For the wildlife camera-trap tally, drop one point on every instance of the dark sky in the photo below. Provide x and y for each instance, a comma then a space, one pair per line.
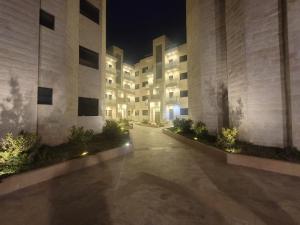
132, 24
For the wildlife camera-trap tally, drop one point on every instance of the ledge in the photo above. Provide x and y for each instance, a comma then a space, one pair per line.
271, 165
33, 177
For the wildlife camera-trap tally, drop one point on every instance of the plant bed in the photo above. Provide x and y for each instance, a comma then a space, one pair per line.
23, 152
48, 155
284, 161
38, 175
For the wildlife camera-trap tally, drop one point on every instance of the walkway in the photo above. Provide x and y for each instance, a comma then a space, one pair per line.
163, 182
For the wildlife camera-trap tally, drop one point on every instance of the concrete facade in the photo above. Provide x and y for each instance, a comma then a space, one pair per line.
141, 92
37, 56
245, 50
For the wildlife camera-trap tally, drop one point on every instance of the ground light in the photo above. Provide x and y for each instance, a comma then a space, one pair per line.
84, 153
127, 144
195, 138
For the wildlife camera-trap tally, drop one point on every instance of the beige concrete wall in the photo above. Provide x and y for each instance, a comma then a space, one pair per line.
19, 42
255, 67
91, 82
53, 74
293, 13
207, 61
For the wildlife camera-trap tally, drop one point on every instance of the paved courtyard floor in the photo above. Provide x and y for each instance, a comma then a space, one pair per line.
164, 182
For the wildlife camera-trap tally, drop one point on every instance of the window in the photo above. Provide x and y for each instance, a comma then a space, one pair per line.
145, 83
145, 112
110, 81
137, 73
183, 76
45, 96
183, 94
171, 77
127, 86
110, 97
170, 61
137, 99
47, 20
88, 58
90, 11
145, 98
128, 100
183, 58
171, 94
184, 111
145, 69
88, 106
137, 113
109, 65
137, 86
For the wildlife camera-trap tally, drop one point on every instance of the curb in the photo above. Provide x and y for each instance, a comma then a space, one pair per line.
270, 165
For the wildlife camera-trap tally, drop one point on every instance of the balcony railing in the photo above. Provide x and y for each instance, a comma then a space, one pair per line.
128, 77
110, 85
172, 100
111, 70
171, 65
172, 82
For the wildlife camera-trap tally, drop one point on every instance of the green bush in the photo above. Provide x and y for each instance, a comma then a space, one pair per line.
112, 129
80, 136
200, 130
16, 152
183, 125
227, 139
145, 121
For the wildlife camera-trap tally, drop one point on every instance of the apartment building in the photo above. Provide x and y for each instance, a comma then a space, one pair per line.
155, 89
120, 83
52, 64
161, 89
244, 62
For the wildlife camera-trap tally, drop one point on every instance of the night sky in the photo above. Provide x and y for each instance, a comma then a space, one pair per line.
132, 24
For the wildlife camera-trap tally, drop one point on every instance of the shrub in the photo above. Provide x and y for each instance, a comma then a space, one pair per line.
183, 125
145, 121
80, 136
112, 129
200, 130
227, 139
16, 151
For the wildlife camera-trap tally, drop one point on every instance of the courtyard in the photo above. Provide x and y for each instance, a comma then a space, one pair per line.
163, 182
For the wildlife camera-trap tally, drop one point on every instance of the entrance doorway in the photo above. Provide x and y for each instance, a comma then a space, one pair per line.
171, 114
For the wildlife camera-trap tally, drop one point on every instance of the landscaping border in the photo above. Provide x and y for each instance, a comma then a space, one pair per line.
208, 149
26, 179
271, 165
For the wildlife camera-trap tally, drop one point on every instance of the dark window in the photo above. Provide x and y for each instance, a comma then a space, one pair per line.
88, 106
184, 111
145, 98
145, 112
145, 69
158, 53
137, 73
90, 11
88, 58
137, 112
137, 86
183, 94
171, 94
171, 77
145, 83
45, 96
47, 20
137, 99
183, 76
183, 58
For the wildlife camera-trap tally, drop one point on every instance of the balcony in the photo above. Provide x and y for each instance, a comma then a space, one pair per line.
129, 77
148, 72
171, 65
172, 100
110, 102
110, 85
110, 70
172, 83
